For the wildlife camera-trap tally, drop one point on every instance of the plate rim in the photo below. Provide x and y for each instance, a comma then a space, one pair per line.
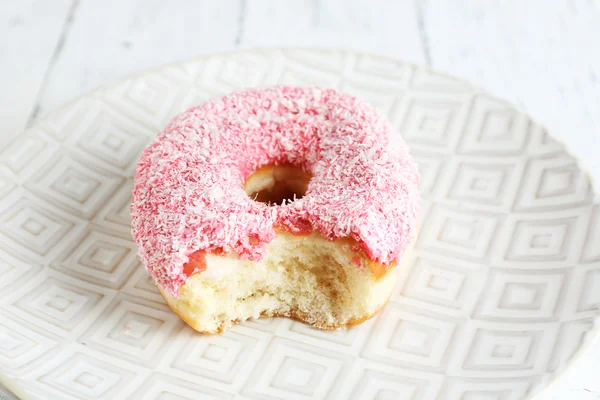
12, 383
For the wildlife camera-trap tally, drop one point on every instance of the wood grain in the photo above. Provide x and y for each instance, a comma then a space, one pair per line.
383, 27
30, 33
122, 37
542, 55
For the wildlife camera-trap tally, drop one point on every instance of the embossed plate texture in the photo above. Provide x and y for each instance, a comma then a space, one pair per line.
503, 292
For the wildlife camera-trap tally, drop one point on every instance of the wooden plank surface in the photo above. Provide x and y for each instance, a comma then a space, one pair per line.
31, 32
542, 55
115, 38
384, 27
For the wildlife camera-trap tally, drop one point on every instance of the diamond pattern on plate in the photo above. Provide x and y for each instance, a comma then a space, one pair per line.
406, 338
115, 215
450, 286
25, 155
501, 351
432, 82
400, 73
100, 258
74, 185
494, 128
551, 184
375, 382
382, 98
542, 240
165, 387
14, 272
463, 233
571, 336
589, 299
132, 329
292, 370
542, 144
325, 61
20, 347
241, 70
431, 122
222, 362
140, 284
463, 389
83, 375
348, 341
7, 185
482, 184
109, 139
534, 295
60, 304
271, 325
500, 293
150, 97
108, 136
432, 168
591, 247
34, 227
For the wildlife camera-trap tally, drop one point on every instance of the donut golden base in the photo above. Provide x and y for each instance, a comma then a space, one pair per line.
308, 278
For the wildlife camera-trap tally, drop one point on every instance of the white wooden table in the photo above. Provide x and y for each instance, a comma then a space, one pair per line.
543, 55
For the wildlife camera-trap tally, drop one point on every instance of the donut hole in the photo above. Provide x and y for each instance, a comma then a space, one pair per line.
277, 184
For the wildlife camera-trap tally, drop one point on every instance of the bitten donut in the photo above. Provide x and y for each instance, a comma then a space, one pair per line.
282, 201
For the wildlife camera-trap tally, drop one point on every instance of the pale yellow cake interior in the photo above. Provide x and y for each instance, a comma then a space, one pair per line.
307, 277
302, 276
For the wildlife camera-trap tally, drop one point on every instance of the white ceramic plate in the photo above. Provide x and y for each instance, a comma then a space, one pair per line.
503, 292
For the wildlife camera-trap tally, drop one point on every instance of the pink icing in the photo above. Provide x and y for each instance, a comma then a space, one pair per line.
189, 194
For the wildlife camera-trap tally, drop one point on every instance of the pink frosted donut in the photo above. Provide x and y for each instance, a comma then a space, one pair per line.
193, 215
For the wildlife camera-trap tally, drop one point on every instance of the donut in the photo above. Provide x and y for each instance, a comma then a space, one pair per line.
279, 201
